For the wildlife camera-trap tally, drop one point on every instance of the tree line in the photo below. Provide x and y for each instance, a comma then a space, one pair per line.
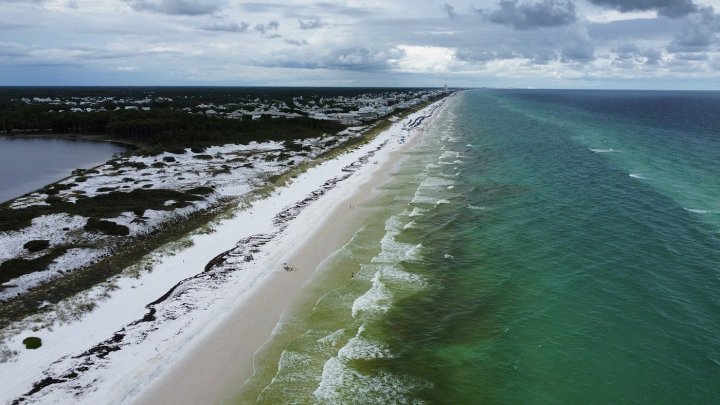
160, 128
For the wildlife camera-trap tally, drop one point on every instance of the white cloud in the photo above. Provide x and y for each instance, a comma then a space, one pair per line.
425, 59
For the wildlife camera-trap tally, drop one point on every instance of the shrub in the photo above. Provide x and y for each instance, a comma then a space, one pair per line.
169, 159
105, 189
203, 157
32, 342
52, 200
37, 245
136, 165
158, 165
80, 179
14, 268
106, 227
201, 190
175, 150
197, 149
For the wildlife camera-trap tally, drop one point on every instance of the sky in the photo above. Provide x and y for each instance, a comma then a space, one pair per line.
612, 44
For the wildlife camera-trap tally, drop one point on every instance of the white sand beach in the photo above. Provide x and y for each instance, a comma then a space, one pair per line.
198, 340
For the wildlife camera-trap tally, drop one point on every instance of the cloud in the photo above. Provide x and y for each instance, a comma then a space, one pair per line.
178, 7
311, 24
630, 56
258, 7
310, 7
270, 26
25, 1
296, 42
226, 27
450, 10
666, 8
13, 50
579, 48
343, 10
346, 58
524, 16
698, 33
535, 55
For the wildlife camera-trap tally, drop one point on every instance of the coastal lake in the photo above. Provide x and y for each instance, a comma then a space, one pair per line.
27, 164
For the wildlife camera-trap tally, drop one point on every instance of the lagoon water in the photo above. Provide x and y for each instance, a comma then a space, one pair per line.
539, 247
27, 164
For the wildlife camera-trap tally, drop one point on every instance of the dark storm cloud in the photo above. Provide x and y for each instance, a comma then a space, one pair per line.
226, 27
524, 16
270, 26
666, 8
311, 24
178, 7
698, 33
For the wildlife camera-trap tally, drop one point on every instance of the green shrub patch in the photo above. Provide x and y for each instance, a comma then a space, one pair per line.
201, 190
37, 245
32, 342
13, 268
106, 227
106, 189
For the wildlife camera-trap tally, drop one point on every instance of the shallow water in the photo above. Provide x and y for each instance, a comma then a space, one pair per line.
27, 164
514, 258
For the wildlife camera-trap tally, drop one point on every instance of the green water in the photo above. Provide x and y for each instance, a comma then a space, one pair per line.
513, 259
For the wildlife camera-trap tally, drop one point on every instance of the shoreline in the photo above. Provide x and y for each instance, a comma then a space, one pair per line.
174, 329
210, 372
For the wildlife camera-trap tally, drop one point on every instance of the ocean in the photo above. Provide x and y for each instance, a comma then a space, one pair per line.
538, 246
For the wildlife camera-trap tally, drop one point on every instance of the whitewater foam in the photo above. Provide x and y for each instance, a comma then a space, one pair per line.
375, 300
598, 150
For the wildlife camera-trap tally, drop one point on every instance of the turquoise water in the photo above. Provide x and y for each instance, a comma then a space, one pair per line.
514, 259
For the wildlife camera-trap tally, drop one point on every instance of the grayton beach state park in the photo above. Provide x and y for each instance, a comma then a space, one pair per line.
359, 202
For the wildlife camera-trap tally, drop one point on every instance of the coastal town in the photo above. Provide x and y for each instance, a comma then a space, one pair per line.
348, 107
